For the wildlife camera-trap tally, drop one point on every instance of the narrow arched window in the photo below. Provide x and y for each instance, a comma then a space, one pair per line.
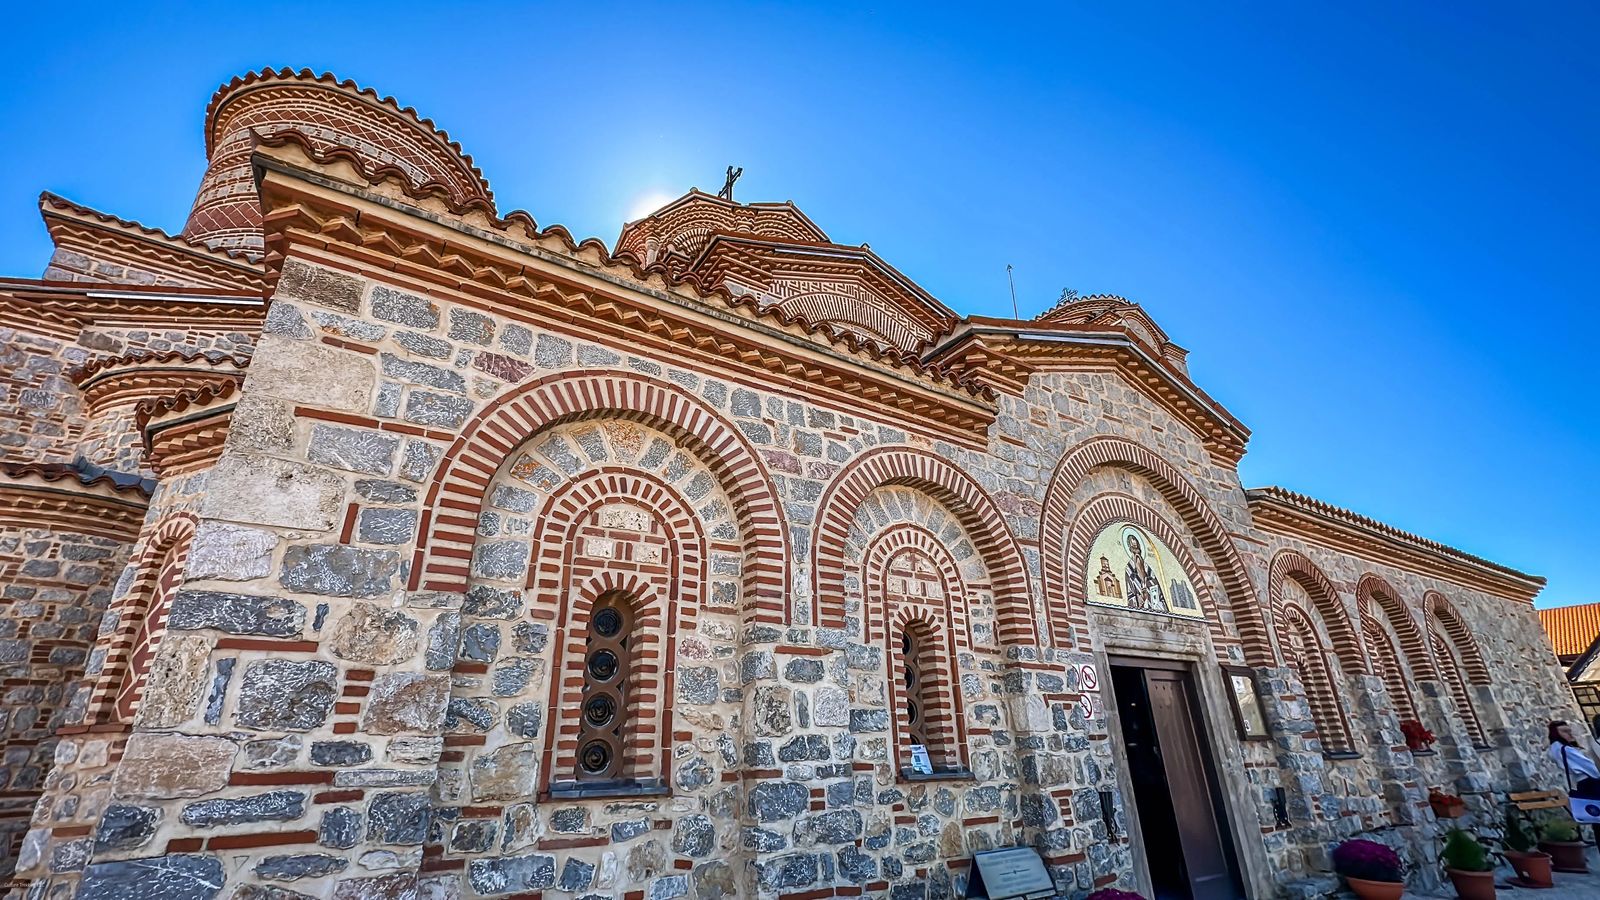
928, 735
602, 720
914, 703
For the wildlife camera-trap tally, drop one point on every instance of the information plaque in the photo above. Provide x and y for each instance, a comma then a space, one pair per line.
1015, 872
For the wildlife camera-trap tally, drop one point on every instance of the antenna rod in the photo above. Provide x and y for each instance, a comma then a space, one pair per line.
1014, 313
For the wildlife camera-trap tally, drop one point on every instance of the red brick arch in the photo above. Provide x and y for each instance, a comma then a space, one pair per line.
1291, 564
882, 549
1316, 676
456, 494
1383, 655
1117, 452
1439, 608
1372, 590
665, 599
141, 620
1109, 508
1454, 678
980, 518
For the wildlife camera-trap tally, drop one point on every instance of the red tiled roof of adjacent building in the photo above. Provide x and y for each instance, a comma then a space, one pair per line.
1571, 628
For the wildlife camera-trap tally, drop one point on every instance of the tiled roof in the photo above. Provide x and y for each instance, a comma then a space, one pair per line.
1571, 628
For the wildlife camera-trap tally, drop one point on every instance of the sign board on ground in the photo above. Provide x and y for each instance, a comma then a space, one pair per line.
1015, 872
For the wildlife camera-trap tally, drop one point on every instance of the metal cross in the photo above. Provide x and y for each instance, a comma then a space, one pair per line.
727, 187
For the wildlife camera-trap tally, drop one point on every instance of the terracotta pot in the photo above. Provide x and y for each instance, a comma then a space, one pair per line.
1533, 867
1472, 885
1566, 856
1448, 810
1375, 890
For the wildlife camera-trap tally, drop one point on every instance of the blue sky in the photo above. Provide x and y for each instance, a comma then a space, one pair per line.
1374, 228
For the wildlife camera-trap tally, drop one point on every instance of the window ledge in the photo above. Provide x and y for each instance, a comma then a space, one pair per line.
1427, 751
1339, 755
579, 790
938, 775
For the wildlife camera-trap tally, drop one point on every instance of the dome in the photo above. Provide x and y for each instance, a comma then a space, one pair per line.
329, 113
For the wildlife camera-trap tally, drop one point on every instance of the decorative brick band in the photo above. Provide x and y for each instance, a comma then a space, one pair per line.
1450, 673
456, 495
1438, 608
141, 615
1394, 678
979, 516
1304, 649
1201, 521
662, 576
1105, 509
889, 547
1291, 564
1372, 590
1457, 658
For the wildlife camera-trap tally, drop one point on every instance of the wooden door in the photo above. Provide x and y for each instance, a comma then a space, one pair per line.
1189, 783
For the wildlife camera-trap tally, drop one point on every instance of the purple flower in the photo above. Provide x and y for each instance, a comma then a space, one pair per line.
1367, 860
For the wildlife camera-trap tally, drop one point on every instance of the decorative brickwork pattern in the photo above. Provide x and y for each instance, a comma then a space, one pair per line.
978, 516
1394, 677
456, 494
1057, 517
1289, 564
1305, 650
1373, 593
141, 617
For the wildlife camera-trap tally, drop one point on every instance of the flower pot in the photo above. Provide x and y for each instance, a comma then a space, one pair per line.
1375, 890
1532, 867
1472, 885
1566, 856
1449, 809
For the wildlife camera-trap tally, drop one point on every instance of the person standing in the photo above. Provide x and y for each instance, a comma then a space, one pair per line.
1583, 775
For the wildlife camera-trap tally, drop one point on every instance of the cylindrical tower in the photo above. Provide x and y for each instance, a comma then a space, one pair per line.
329, 113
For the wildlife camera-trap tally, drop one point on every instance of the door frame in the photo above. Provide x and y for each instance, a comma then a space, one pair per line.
1224, 751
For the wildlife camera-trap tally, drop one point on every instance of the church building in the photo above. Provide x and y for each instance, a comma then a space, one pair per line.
368, 541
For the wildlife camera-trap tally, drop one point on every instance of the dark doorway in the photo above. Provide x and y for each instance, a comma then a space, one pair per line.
1174, 788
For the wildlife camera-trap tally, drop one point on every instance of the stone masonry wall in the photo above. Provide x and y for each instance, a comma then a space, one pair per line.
54, 586
371, 676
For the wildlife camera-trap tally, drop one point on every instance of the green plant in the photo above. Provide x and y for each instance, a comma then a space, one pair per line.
1517, 839
1560, 832
1463, 853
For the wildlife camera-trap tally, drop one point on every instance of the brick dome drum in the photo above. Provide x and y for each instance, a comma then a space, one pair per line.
329, 114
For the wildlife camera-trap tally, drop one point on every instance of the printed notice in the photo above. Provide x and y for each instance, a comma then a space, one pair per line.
1010, 873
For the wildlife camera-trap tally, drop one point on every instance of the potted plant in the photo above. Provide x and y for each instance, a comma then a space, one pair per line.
1533, 866
1564, 843
1417, 736
1467, 863
1446, 806
1373, 871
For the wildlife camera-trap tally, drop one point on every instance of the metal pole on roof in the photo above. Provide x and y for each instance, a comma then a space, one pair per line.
1014, 313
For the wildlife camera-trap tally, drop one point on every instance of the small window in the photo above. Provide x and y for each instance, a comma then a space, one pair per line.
601, 722
915, 704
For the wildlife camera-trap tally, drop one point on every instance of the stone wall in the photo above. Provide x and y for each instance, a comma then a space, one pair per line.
54, 586
40, 415
371, 674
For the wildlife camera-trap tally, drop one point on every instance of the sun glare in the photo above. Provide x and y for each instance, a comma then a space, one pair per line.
648, 203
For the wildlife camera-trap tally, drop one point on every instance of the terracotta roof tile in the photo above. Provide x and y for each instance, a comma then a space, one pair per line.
1571, 628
